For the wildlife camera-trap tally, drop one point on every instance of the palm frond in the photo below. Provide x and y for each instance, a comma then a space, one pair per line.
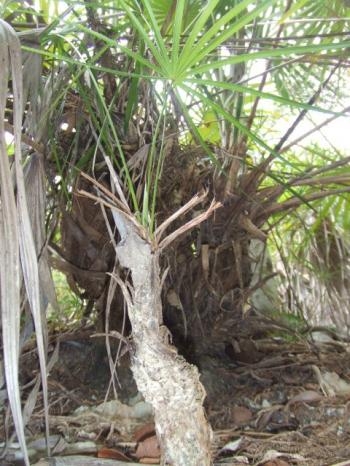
18, 251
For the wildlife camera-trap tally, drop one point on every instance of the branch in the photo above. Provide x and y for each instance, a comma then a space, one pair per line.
313, 130
293, 203
273, 192
302, 114
189, 225
189, 205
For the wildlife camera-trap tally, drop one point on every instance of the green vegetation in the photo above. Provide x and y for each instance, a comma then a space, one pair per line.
70, 314
139, 105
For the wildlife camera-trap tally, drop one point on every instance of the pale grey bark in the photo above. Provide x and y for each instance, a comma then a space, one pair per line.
164, 378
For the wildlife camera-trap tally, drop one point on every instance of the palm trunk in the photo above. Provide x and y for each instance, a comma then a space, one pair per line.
164, 378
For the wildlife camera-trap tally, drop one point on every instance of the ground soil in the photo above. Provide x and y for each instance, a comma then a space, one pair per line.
269, 401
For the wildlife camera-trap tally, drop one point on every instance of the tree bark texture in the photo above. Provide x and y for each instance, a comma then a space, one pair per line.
164, 377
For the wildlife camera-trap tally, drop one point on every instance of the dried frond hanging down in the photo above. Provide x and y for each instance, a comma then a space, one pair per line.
9, 255
18, 251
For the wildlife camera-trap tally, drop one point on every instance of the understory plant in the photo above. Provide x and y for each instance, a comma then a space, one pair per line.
151, 131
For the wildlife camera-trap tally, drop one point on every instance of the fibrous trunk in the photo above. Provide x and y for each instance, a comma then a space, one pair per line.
164, 378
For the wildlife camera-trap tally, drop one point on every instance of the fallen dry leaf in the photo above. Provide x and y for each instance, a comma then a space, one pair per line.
149, 461
307, 396
276, 462
148, 448
273, 458
233, 445
147, 430
112, 453
240, 415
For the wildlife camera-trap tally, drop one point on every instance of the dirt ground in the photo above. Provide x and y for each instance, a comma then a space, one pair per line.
270, 402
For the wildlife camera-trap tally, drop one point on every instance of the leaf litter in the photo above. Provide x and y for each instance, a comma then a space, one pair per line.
290, 407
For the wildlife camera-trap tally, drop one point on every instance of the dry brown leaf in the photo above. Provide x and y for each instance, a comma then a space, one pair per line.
276, 462
307, 396
274, 458
112, 453
149, 461
241, 415
149, 448
147, 430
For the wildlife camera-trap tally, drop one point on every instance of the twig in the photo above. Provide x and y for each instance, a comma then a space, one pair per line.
189, 225
313, 130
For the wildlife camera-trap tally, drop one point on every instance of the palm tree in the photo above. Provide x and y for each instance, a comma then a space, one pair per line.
148, 121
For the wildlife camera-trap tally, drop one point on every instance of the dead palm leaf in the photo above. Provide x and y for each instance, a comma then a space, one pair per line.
18, 254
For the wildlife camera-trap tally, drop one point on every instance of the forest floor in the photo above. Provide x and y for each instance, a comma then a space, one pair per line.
273, 402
